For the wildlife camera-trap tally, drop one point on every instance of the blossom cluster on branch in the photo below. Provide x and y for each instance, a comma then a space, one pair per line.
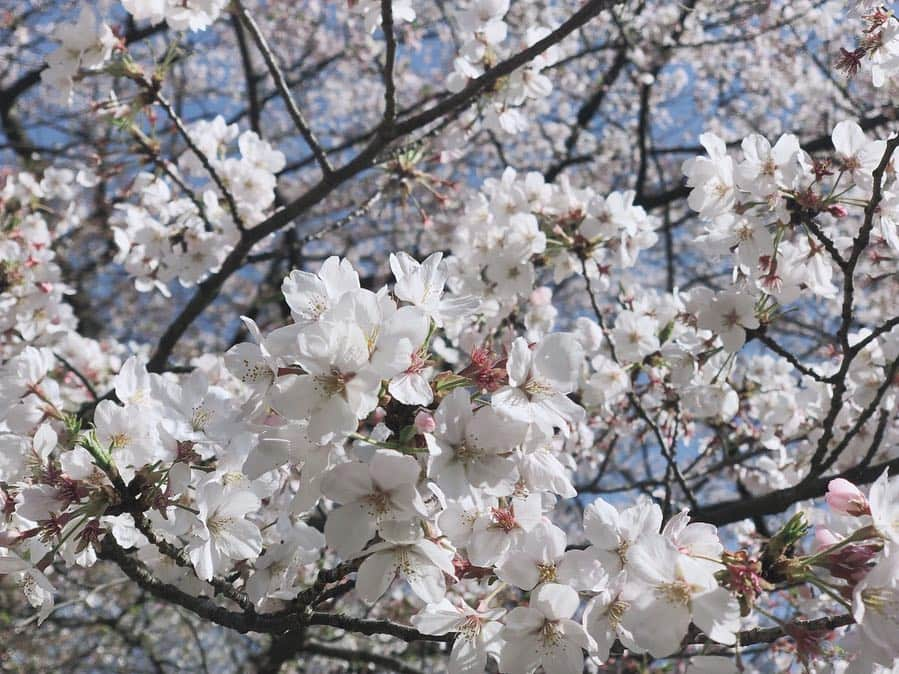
417, 445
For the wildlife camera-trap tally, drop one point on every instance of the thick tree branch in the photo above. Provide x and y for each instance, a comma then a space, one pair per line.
384, 662
779, 501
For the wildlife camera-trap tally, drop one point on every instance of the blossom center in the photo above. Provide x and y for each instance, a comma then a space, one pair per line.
551, 635
334, 383
677, 593
216, 523
379, 503
881, 600
118, 440
615, 612
504, 519
731, 319
537, 389
471, 628
201, 416
547, 572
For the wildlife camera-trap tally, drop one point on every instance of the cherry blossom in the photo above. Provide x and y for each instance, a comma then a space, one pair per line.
543, 634
477, 633
546, 337
373, 495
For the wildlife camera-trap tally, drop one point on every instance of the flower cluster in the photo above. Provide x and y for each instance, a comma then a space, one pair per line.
83, 46
784, 218
161, 237
520, 445
518, 224
441, 482
445, 480
856, 553
485, 32
32, 291
178, 14
878, 47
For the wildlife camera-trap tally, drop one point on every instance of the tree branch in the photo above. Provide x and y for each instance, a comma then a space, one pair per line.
281, 84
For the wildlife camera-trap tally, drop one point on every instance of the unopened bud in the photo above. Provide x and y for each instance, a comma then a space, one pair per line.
424, 422
542, 296
845, 497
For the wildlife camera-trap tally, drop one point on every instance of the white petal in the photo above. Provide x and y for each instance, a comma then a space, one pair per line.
348, 529
519, 570
426, 581
438, 618
555, 601
717, 614
375, 575
347, 482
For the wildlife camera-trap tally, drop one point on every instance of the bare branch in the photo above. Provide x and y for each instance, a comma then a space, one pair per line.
281, 83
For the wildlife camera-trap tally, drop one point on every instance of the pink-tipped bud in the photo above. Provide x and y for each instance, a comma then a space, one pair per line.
825, 538
852, 562
424, 422
838, 211
845, 497
542, 296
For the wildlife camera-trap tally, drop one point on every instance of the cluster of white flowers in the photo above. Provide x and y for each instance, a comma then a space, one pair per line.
518, 223
178, 14
436, 436
484, 32
442, 479
31, 286
856, 546
83, 46
878, 47
786, 220
780, 214
161, 238
448, 484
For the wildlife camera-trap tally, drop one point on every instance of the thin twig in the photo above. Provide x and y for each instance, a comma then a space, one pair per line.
281, 83
204, 160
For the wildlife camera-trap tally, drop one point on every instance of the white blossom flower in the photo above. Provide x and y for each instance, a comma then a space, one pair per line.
422, 284
221, 531
34, 584
373, 494
729, 315
712, 179
543, 634
541, 558
477, 633
614, 532
875, 601
539, 380
420, 562
858, 156
472, 449
674, 593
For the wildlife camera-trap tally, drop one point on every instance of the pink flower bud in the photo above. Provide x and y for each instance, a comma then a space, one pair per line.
541, 296
852, 562
424, 422
838, 211
825, 538
845, 497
